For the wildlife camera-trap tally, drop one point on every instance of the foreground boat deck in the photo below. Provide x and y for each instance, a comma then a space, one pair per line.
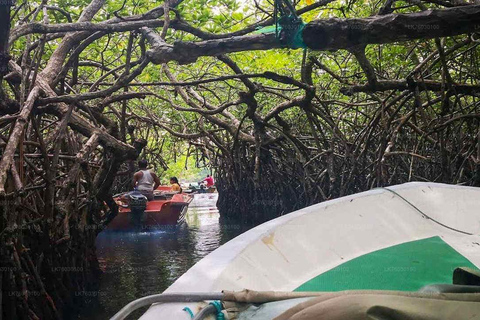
396, 238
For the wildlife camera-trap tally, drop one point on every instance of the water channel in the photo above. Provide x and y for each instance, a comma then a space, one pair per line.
137, 264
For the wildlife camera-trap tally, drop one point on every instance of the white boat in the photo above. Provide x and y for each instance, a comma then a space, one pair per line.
399, 238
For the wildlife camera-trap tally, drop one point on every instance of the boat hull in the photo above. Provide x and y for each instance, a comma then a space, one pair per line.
158, 213
398, 238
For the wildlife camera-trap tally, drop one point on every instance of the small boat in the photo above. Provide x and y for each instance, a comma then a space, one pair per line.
384, 250
167, 209
199, 188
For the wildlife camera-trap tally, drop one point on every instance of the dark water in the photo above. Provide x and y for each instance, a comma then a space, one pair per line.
140, 264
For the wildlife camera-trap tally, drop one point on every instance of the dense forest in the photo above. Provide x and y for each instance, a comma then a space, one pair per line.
290, 105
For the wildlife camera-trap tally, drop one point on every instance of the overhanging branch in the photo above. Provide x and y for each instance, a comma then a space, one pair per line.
334, 34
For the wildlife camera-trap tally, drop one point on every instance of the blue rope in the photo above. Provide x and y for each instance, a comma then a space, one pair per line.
218, 305
187, 309
288, 25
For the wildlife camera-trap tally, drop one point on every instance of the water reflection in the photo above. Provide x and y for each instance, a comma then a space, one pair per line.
136, 264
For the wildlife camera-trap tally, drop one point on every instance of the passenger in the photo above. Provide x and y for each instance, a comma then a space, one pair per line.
209, 181
145, 181
175, 185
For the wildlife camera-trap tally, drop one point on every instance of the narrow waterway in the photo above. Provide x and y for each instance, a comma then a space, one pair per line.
140, 264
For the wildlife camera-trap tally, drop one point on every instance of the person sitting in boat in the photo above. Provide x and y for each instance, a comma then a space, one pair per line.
175, 185
145, 181
209, 181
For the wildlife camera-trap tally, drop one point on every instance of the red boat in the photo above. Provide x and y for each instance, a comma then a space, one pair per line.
166, 209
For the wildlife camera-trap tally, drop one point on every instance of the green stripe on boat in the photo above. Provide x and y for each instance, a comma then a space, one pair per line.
405, 267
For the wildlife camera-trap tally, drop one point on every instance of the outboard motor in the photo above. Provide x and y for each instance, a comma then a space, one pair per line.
138, 204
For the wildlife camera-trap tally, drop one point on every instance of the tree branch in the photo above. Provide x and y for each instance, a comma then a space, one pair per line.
334, 34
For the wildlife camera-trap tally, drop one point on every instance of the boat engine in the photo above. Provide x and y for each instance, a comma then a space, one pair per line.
138, 204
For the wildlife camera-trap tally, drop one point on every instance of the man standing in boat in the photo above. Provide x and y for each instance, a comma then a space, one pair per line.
145, 181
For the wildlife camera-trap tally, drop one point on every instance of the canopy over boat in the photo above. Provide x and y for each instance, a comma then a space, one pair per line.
397, 238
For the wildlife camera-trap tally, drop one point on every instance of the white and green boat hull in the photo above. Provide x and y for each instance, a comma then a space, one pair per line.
397, 238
